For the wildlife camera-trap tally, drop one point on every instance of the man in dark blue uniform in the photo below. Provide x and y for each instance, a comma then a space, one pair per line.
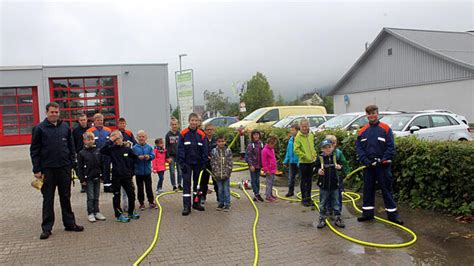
192, 158
375, 149
52, 155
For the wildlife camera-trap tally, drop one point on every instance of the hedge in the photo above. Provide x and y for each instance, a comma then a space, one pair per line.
436, 175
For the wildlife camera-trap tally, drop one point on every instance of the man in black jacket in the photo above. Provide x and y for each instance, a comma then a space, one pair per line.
77, 133
52, 155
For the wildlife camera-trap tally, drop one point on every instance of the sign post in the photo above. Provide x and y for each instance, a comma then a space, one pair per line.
185, 91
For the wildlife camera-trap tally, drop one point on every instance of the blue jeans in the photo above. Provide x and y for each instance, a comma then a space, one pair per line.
329, 199
172, 166
255, 181
292, 171
224, 191
161, 177
93, 192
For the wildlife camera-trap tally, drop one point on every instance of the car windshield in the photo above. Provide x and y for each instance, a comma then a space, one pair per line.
283, 123
397, 122
208, 120
255, 114
339, 121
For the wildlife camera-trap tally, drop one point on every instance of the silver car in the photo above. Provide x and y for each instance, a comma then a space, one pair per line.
314, 120
428, 126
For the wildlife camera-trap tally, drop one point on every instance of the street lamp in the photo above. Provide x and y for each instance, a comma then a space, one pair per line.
180, 66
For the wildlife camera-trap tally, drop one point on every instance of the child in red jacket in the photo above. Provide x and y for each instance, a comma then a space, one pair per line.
159, 163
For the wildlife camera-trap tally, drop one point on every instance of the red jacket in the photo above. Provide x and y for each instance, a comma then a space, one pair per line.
159, 163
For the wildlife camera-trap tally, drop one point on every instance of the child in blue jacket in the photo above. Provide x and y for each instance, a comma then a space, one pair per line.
291, 160
143, 170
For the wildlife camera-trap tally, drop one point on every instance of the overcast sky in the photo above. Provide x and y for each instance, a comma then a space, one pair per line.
298, 46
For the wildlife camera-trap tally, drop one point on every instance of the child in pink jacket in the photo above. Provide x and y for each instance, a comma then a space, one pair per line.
269, 166
159, 163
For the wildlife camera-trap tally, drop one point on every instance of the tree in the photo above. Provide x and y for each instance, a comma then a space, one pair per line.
329, 104
232, 110
280, 101
258, 93
175, 113
216, 101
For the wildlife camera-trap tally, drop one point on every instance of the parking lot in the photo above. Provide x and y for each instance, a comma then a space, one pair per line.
286, 234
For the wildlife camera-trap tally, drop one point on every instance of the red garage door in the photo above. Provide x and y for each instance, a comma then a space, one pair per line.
19, 114
87, 95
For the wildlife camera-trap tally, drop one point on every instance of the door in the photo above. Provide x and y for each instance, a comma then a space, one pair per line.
18, 114
424, 123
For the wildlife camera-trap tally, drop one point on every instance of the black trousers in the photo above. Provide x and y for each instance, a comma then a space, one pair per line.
204, 185
306, 170
190, 171
144, 180
61, 178
126, 183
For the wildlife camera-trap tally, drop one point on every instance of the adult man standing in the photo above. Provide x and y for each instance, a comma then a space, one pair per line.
376, 149
52, 155
77, 136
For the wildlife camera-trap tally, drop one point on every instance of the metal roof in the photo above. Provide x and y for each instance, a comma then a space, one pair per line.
455, 47
34, 67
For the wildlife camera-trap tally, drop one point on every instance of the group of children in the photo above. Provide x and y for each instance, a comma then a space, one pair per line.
130, 157
198, 155
301, 156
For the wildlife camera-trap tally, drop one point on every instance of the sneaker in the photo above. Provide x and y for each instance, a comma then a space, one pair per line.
153, 206
134, 216
159, 191
220, 207
259, 198
142, 207
74, 228
175, 189
339, 223
45, 235
108, 189
203, 201
274, 198
254, 199
122, 219
180, 188
289, 194
91, 218
270, 199
364, 218
322, 222
100, 217
227, 208
186, 211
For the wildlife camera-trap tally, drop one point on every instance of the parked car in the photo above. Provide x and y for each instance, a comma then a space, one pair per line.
222, 121
459, 117
314, 120
348, 121
428, 126
267, 116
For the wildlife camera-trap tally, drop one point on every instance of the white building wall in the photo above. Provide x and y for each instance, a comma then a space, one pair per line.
456, 96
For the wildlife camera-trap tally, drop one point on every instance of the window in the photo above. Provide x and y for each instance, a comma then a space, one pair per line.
452, 120
389, 51
316, 121
87, 95
440, 121
18, 109
360, 122
421, 122
272, 115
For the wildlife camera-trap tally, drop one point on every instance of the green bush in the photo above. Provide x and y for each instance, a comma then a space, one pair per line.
430, 175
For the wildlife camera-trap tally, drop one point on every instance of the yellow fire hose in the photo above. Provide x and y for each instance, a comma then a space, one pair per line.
351, 197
